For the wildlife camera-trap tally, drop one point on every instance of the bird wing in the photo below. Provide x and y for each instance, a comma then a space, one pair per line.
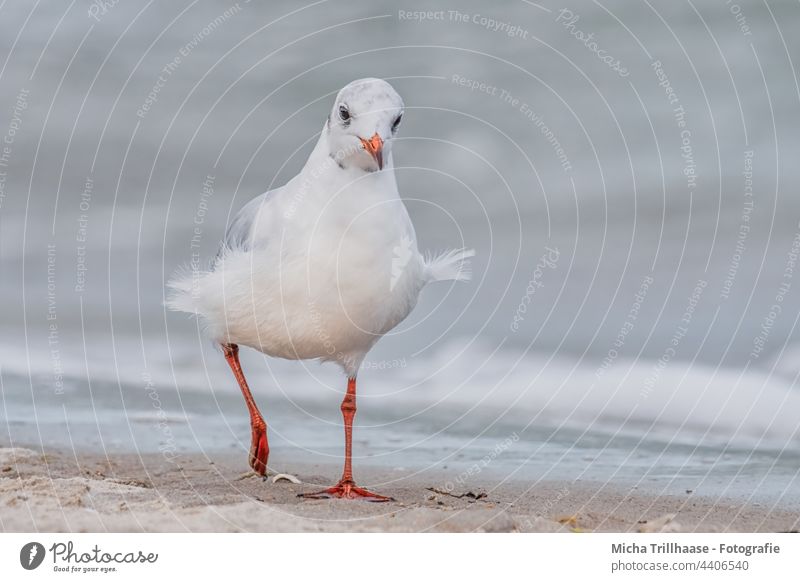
240, 235
186, 293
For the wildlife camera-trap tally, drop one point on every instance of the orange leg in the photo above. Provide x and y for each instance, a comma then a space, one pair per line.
346, 488
259, 448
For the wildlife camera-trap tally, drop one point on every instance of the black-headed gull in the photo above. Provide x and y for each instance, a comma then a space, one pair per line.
322, 267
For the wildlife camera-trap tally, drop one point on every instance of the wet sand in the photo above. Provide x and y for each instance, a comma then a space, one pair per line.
63, 491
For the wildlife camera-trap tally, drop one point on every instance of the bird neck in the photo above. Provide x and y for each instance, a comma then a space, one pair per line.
324, 166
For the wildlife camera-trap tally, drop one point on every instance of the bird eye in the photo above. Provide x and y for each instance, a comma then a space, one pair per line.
344, 113
396, 123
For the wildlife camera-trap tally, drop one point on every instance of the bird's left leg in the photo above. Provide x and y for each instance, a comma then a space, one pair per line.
346, 487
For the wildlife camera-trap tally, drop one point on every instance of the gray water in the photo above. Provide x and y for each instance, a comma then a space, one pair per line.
633, 312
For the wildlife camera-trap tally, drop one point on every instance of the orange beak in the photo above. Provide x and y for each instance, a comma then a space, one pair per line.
374, 147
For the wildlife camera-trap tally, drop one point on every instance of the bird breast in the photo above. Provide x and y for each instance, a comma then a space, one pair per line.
364, 267
342, 275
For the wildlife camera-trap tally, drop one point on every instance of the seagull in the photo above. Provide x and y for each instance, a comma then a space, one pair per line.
322, 267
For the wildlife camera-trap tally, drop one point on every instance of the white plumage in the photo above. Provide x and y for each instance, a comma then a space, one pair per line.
324, 266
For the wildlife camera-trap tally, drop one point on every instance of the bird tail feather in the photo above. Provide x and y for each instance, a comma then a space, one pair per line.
452, 265
183, 291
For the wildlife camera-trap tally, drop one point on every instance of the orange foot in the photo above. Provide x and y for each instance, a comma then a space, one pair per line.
346, 490
259, 451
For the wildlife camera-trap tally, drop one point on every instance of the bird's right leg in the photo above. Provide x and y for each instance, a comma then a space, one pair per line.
346, 488
259, 447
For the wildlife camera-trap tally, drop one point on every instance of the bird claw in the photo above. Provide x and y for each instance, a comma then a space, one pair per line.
347, 490
259, 452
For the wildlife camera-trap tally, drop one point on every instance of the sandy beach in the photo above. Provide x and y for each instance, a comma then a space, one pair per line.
63, 491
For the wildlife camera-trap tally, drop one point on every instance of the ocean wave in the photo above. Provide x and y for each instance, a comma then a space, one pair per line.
678, 402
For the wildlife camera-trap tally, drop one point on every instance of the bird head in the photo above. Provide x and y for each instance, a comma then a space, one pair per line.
362, 124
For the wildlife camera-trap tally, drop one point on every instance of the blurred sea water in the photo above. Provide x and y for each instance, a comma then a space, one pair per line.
627, 174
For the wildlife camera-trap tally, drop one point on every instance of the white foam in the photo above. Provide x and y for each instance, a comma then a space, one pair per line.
689, 403
682, 399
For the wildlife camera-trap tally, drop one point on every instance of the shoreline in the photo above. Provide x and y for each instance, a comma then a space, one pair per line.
66, 491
